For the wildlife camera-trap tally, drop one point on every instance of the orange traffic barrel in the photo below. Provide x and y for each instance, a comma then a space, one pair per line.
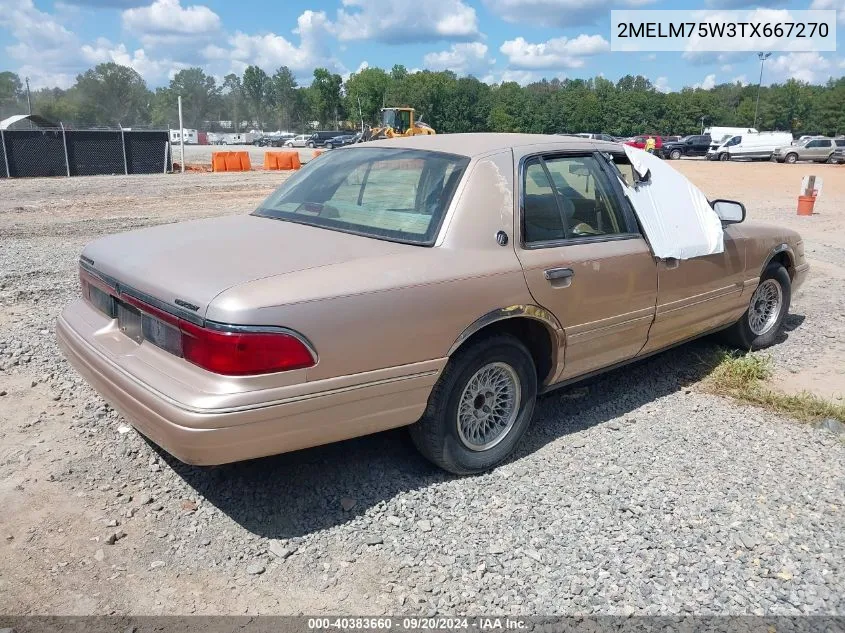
806, 204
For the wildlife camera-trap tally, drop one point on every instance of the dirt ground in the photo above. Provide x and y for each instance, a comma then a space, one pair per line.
72, 475
770, 193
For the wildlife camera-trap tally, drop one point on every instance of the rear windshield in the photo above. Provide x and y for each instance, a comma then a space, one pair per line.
393, 194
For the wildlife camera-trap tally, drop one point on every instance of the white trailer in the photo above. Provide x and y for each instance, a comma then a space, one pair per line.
230, 138
191, 137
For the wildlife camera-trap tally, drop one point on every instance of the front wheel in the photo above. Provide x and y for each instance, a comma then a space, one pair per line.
480, 407
675, 154
791, 159
329, 146
724, 156
761, 323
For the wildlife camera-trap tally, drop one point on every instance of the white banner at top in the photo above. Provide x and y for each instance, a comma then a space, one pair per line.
706, 30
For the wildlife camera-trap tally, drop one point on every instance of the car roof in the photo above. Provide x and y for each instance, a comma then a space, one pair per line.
486, 142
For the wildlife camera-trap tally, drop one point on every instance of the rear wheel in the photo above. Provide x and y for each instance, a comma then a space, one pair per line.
830, 160
675, 154
480, 407
761, 323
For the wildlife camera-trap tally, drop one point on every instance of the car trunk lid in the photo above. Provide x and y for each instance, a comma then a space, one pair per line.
186, 265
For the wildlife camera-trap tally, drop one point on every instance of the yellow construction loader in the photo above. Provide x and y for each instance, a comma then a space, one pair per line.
397, 122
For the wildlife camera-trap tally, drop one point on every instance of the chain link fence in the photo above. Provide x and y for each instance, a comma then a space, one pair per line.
60, 152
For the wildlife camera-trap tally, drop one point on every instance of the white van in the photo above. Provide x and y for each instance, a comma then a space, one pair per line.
719, 135
758, 146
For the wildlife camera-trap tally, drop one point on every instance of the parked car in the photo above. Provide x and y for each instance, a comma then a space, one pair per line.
273, 140
364, 294
319, 139
594, 136
839, 153
300, 140
760, 146
693, 145
818, 150
341, 140
640, 141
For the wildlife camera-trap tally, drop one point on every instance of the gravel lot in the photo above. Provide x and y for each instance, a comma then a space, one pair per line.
633, 493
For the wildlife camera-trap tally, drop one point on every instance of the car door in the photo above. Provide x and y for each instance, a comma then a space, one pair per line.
700, 145
819, 149
584, 259
699, 294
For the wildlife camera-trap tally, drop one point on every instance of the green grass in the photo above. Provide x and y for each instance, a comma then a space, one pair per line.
743, 377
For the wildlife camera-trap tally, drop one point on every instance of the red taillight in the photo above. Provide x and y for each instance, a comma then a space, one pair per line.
243, 353
231, 351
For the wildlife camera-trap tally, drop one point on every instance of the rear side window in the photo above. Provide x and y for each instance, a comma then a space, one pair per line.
393, 194
566, 198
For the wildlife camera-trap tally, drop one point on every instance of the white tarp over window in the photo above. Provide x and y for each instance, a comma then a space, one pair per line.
675, 215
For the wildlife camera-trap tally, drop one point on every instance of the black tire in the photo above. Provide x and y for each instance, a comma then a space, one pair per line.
329, 146
675, 154
311, 144
791, 158
740, 333
724, 156
436, 434
830, 160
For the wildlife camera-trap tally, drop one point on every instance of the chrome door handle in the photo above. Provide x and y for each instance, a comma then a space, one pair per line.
558, 273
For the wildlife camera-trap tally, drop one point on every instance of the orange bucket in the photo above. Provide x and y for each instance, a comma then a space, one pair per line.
806, 204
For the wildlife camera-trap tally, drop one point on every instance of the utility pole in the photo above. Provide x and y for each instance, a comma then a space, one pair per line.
181, 139
762, 57
702, 125
28, 98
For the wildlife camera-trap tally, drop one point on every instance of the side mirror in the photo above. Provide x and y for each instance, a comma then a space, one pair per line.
729, 211
642, 178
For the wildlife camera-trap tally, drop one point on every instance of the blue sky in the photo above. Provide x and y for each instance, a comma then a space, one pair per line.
495, 40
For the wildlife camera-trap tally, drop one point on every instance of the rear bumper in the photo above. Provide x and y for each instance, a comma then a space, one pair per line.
218, 436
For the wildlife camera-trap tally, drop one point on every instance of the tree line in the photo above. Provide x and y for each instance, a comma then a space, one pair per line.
110, 95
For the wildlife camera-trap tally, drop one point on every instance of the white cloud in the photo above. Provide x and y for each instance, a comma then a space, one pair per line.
270, 50
707, 58
462, 58
51, 55
560, 52
151, 69
402, 21
47, 51
707, 83
168, 18
661, 84
522, 77
650, 57
561, 13
839, 5
811, 67
740, 79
